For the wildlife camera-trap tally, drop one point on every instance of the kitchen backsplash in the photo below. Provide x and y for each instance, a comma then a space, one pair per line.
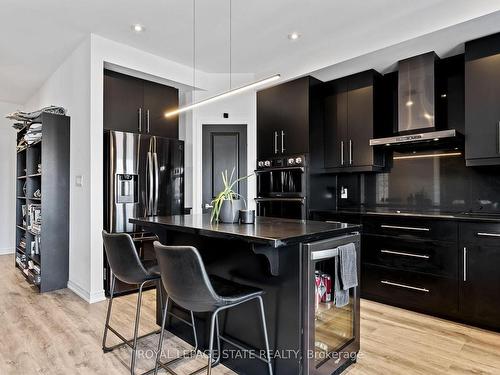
439, 183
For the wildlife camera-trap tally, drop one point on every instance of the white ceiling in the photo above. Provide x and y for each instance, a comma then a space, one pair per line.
36, 36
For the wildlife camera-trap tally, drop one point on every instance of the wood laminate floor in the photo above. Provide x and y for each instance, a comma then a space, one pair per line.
58, 333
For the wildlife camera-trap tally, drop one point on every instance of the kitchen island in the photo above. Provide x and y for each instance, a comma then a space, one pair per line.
275, 255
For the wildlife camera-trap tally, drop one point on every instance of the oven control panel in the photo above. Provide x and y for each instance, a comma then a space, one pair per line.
282, 162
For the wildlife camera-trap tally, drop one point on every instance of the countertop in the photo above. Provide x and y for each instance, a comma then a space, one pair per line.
431, 214
266, 231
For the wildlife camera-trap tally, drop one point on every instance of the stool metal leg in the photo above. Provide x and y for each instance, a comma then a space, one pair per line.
108, 315
160, 343
213, 320
136, 329
264, 327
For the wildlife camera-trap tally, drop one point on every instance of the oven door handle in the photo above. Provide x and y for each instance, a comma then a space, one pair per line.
301, 169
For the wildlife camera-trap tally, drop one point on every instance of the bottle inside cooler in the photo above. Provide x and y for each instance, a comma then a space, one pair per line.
334, 327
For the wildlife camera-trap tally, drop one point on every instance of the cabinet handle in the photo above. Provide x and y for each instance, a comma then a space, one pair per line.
484, 234
282, 141
465, 264
341, 152
140, 120
498, 137
405, 254
147, 120
405, 286
405, 228
275, 142
350, 151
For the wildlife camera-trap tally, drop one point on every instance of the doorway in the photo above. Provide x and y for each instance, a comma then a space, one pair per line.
224, 147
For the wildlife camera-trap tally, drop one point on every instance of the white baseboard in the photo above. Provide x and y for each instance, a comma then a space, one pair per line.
93, 297
6, 251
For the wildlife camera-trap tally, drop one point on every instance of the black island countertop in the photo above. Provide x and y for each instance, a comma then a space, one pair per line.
267, 231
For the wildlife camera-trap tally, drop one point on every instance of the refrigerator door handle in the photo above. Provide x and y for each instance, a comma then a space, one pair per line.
150, 184
156, 183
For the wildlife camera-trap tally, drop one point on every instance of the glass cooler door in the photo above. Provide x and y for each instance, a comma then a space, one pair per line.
331, 334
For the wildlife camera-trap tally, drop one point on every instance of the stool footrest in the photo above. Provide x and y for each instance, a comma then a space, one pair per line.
107, 349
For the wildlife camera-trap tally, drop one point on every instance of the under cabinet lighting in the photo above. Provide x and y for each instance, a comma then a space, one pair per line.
223, 95
424, 156
294, 36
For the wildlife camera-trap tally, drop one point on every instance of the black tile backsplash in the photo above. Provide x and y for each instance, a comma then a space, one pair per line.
443, 184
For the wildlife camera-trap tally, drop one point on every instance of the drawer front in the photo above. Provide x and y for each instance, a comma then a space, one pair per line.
417, 228
409, 289
432, 257
484, 233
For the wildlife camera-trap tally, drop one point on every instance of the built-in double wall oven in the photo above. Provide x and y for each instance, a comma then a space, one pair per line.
282, 187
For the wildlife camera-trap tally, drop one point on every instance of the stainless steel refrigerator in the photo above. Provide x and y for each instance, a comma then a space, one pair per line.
143, 176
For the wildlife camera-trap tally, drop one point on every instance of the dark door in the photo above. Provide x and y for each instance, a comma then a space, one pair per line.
360, 120
482, 109
123, 102
480, 289
335, 124
159, 99
224, 148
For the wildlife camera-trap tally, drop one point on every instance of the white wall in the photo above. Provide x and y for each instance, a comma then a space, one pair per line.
78, 86
69, 86
241, 109
7, 180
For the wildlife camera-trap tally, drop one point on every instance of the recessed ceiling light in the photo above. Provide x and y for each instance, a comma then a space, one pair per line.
138, 28
409, 103
294, 36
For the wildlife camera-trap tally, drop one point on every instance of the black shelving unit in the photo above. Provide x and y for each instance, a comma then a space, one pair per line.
52, 179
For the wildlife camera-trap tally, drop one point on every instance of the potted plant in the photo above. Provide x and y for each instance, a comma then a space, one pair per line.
228, 203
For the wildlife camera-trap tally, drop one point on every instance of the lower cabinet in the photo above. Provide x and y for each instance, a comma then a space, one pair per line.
480, 274
423, 292
457, 279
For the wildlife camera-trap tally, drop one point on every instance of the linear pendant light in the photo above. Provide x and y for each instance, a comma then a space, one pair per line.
223, 95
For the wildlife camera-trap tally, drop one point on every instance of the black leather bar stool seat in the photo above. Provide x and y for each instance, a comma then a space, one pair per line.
187, 283
127, 267
232, 292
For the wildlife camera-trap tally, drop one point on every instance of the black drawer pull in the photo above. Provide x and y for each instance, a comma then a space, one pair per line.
405, 286
405, 228
405, 254
483, 234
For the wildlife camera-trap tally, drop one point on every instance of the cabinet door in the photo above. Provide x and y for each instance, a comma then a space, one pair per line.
159, 99
293, 129
268, 115
480, 288
335, 124
123, 102
482, 112
360, 123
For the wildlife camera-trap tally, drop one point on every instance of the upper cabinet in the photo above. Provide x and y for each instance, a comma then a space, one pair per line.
351, 114
482, 96
138, 106
284, 113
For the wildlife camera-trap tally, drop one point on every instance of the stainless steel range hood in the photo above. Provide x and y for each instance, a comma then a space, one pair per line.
416, 104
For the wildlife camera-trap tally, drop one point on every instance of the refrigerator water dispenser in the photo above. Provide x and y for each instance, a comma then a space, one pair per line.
126, 188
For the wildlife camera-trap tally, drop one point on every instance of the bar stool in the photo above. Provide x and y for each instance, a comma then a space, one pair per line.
187, 283
127, 267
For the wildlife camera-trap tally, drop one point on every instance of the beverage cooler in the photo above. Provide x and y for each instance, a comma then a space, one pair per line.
331, 334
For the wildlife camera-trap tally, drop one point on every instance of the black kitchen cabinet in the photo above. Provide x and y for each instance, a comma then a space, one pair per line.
123, 102
135, 105
159, 99
284, 114
480, 279
482, 92
335, 123
351, 117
